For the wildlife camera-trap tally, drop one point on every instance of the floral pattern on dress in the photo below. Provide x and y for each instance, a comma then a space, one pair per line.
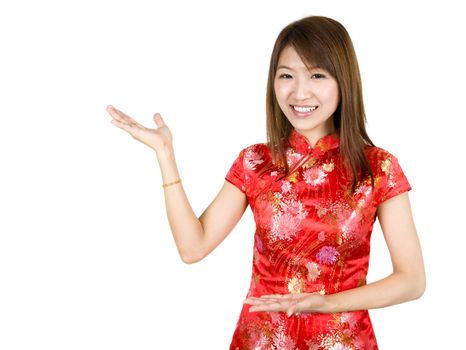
252, 159
327, 255
281, 341
314, 176
312, 235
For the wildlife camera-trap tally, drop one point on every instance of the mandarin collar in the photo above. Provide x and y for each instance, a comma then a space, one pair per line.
302, 145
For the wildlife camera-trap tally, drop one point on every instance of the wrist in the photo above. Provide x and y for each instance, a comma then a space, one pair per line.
329, 304
165, 152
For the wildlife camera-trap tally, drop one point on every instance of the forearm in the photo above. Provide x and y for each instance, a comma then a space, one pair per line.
185, 226
393, 289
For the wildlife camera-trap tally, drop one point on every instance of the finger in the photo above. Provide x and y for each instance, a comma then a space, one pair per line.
122, 116
125, 116
267, 307
123, 125
274, 296
258, 301
292, 309
114, 112
262, 300
159, 120
284, 296
111, 110
296, 295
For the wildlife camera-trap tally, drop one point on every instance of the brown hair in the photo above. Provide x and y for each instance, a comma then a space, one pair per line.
325, 43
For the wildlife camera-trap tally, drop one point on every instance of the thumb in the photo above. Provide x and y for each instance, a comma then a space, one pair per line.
158, 120
291, 309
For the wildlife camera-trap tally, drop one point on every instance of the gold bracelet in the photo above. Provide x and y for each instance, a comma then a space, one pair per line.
172, 183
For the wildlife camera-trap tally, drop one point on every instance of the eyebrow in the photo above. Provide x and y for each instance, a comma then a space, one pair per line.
286, 67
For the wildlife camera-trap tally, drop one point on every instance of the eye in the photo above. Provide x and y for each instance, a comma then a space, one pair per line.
318, 75
282, 75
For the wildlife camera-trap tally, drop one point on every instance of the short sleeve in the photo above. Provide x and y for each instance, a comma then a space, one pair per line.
236, 174
392, 180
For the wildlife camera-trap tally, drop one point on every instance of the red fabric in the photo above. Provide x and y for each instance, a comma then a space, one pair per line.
311, 236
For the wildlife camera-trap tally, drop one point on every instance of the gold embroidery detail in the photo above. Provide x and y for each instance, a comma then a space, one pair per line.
296, 285
256, 256
338, 239
257, 279
321, 212
328, 167
293, 177
313, 271
361, 282
309, 163
346, 339
385, 165
273, 198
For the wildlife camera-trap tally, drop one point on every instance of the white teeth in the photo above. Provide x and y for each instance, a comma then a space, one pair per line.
304, 109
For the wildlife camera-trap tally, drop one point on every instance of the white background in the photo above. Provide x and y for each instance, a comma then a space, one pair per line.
87, 259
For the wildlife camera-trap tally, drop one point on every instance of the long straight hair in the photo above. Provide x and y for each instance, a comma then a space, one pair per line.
323, 42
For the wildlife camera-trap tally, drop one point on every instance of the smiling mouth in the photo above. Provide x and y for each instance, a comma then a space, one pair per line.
304, 109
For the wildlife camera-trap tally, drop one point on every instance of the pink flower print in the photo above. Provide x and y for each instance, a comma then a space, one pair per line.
327, 255
285, 226
313, 271
349, 220
349, 318
311, 345
263, 212
282, 341
292, 157
286, 186
314, 176
261, 342
295, 208
321, 236
363, 189
252, 159
259, 243
275, 317
339, 346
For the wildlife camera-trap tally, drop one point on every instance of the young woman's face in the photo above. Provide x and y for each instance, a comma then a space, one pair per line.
296, 86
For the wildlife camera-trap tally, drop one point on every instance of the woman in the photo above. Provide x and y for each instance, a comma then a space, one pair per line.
315, 188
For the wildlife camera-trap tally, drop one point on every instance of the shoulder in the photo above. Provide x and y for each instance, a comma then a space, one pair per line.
259, 148
256, 149
385, 165
254, 155
390, 178
378, 157
376, 152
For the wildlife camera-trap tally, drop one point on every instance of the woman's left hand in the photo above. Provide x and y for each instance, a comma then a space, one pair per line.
294, 303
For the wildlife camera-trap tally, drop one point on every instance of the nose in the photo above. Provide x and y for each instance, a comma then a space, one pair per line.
302, 89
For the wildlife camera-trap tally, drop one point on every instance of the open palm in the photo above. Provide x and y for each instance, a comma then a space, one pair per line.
289, 303
157, 139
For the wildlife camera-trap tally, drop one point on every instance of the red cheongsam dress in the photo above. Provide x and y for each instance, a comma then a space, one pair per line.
312, 235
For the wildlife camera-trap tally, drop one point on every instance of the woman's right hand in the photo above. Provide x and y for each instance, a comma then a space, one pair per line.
158, 139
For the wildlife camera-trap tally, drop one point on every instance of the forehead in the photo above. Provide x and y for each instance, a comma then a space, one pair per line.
289, 59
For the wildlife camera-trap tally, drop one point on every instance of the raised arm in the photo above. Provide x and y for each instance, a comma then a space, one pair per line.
194, 237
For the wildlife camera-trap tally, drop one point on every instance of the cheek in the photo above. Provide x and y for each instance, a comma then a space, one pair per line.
331, 94
280, 91
336, 93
